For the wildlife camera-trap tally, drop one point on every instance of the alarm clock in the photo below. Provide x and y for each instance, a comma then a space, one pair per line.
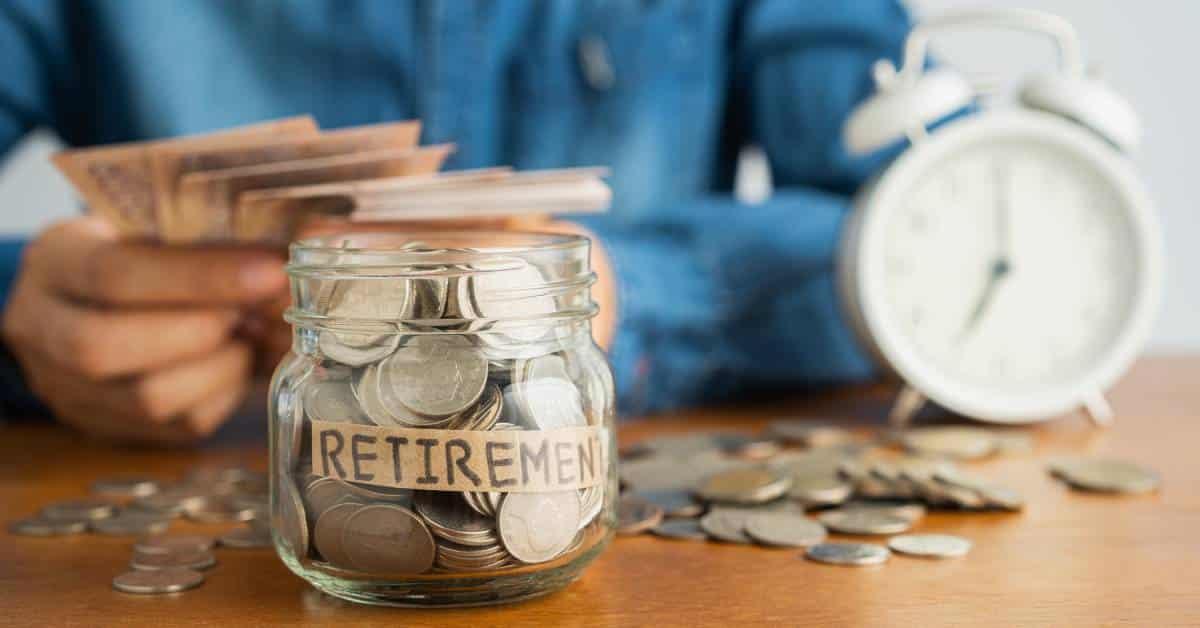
1007, 265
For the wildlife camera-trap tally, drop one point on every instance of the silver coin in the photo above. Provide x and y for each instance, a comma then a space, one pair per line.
218, 511
171, 560
686, 529
855, 554
505, 294
125, 486
727, 524
354, 349
755, 485
293, 522
246, 538
784, 529
636, 515
174, 543
449, 517
388, 539
673, 503
960, 442
909, 511
79, 509
930, 545
41, 526
329, 534
537, 527
172, 500
157, 582
864, 522
1107, 475
130, 523
333, 401
435, 376
808, 433
820, 489
323, 494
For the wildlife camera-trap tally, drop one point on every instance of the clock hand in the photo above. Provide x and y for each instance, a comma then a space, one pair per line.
1000, 263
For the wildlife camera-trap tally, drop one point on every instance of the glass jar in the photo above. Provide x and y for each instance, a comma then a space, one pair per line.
442, 430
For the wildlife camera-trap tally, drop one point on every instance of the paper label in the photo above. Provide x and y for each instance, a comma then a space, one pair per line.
506, 461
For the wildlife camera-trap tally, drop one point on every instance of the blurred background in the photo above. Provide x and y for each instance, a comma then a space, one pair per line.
1144, 49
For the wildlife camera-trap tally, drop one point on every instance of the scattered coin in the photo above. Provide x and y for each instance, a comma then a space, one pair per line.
726, 524
87, 509
248, 537
866, 522
855, 554
808, 433
1107, 475
930, 545
41, 526
959, 442
745, 486
189, 560
687, 529
174, 543
132, 523
635, 516
673, 503
125, 486
784, 529
159, 581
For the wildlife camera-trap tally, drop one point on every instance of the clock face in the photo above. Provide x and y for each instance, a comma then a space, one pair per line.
1006, 268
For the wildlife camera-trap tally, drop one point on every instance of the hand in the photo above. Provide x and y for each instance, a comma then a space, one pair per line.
132, 341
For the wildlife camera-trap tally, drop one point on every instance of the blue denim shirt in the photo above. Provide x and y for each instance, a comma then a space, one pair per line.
716, 298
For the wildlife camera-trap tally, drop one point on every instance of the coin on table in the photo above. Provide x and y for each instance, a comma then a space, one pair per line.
131, 523
249, 537
125, 486
910, 511
536, 527
930, 545
90, 509
635, 515
673, 503
990, 495
218, 511
783, 529
160, 581
1107, 475
385, 538
686, 529
854, 554
754, 485
856, 521
329, 533
41, 526
434, 376
172, 500
189, 560
964, 443
174, 543
726, 524
820, 489
808, 433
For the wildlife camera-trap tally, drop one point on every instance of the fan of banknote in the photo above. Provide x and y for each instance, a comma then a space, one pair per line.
260, 183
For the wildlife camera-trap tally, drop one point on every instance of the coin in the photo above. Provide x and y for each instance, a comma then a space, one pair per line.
856, 554
673, 503
726, 524
293, 522
248, 537
820, 489
160, 581
536, 527
784, 529
687, 529
930, 545
449, 517
542, 396
754, 485
174, 543
385, 538
173, 500
329, 533
964, 443
333, 401
635, 516
125, 486
435, 376
129, 523
860, 521
808, 433
41, 526
504, 294
218, 511
1107, 475
909, 511
322, 494
189, 560
90, 509
354, 349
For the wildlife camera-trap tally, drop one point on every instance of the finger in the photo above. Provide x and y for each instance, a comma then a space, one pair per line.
82, 260
171, 391
103, 344
205, 418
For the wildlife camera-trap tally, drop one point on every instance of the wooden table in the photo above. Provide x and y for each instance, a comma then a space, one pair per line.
1070, 559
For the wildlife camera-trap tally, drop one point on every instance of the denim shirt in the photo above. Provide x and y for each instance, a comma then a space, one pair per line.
716, 298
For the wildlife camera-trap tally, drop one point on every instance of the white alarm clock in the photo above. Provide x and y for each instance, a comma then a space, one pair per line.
1008, 265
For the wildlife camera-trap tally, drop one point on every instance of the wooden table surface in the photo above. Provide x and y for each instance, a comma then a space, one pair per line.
1069, 559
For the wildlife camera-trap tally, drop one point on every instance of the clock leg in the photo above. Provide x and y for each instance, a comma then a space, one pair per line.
907, 404
1098, 410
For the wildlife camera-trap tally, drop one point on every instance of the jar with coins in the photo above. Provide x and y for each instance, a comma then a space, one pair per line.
442, 430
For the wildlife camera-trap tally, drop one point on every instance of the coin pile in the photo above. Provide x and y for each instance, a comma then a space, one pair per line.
144, 506
259, 183
701, 486
518, 378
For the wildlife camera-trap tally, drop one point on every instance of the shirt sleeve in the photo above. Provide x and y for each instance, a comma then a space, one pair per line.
720, 299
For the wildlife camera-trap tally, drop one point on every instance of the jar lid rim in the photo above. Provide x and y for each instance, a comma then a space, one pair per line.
508, 242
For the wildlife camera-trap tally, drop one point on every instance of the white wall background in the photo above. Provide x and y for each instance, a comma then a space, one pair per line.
1146, 49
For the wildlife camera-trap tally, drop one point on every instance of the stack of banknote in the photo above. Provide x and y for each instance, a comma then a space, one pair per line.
260, 183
